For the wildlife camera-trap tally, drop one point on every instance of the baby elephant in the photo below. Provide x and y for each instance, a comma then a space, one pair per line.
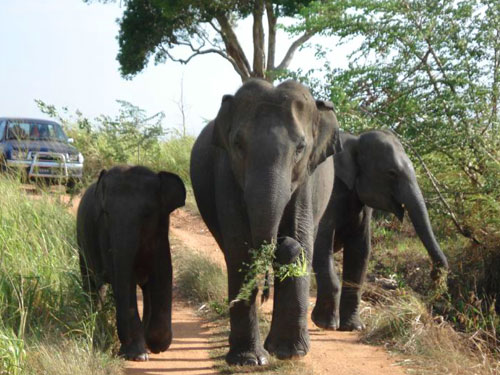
122, 232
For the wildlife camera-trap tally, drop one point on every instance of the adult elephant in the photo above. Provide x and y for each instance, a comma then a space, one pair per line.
122, 232
255, 170
371, 171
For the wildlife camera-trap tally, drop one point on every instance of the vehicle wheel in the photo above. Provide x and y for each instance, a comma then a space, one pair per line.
73, 186
3, 165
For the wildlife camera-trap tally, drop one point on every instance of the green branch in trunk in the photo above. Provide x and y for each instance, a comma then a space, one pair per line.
262, 261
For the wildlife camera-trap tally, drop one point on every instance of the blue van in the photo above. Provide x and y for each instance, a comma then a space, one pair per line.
41, 149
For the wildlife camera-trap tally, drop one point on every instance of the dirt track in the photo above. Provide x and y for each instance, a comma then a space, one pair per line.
338, 353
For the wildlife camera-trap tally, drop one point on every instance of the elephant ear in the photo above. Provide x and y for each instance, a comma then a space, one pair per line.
223, 123
100, 190
326, 134
172, 191
346, 168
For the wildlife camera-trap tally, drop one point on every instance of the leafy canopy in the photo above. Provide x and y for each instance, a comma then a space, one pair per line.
430, 71
150, 29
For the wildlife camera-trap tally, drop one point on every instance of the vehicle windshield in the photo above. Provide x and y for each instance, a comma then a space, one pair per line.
24, 130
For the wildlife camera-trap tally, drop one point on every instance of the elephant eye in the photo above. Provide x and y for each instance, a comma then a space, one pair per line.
300, 149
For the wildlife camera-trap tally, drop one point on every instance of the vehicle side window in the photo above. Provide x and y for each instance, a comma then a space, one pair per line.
2, 129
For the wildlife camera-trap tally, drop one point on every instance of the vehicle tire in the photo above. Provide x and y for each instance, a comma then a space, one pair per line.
3, 164
73, 186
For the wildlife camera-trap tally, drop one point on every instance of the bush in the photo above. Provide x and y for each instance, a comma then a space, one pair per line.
132, 137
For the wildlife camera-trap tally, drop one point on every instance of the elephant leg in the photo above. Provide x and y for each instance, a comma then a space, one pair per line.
159, 328
245, 347
289, 337
356, 255
130, 332
326, 310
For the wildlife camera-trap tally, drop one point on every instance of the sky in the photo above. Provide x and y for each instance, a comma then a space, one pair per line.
64, 53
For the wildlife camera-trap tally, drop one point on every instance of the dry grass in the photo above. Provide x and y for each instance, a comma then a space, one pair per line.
70, 358
198, 279
401, 320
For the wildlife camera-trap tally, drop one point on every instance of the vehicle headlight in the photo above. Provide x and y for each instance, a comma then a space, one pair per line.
75, 158
18, 155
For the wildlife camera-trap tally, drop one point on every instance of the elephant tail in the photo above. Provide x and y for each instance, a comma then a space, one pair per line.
266, 290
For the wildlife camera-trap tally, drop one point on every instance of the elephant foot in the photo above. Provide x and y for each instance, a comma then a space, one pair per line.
288, 348
132, 352
258, 357
352, 323
324, 319
158, 342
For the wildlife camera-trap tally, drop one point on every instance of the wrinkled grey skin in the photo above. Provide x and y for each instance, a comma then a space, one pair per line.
373, 171
122, 233
255, 170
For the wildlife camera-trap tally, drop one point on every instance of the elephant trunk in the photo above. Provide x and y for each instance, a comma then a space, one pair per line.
414, 202
266, 196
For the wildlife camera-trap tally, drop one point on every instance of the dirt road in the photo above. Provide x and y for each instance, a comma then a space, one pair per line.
338, 353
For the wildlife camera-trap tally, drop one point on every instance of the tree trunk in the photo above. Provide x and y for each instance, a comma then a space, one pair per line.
271, 42
258, 40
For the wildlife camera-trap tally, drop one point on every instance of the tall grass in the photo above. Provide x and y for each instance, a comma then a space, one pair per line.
42, 303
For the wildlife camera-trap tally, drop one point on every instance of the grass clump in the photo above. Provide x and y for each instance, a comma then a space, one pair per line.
197, 278
71, 357
41, 298
402, 320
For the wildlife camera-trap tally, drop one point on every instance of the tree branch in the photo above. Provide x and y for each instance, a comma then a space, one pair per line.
291, 51
197, 52
258, 39
233, 47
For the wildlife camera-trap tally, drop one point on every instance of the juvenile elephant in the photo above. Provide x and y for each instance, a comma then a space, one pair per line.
372, 170
122, 233
255, 170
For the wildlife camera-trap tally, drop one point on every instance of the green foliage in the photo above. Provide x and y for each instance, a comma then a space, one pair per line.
132, 137
262, 261
428, 71
41, 298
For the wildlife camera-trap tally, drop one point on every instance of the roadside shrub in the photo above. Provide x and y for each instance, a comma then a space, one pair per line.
131, 137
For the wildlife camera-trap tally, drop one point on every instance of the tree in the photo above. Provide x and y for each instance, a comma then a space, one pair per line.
154, 27
429, 71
